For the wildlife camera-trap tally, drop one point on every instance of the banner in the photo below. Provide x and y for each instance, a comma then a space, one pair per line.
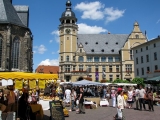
32, 84
18, 84
41, 84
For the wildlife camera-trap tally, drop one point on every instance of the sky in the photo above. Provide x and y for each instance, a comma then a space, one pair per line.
94, 17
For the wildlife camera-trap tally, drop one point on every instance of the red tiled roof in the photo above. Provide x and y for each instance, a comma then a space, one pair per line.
47, 69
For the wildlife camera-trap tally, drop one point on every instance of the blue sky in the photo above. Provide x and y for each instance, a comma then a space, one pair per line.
94, 17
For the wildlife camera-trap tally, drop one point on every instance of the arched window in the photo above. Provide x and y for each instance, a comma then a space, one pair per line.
80, 59
1, 50
15, 52
67, 58
80, 50
67, 21
137, 36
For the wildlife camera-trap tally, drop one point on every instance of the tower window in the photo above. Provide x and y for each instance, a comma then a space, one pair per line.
106, 43
116, 43
67, 38
92, 50
102, 50
86, 43
67, 21
137, 36
96, 42
112, 50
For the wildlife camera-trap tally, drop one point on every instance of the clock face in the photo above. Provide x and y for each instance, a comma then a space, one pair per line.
68, 31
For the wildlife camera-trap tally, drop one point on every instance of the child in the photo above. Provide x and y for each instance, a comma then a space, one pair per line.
125, 96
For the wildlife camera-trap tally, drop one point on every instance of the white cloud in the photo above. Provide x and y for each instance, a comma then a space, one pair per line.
97, 11
54, 62
39, 49
113, 14
53, 52
56, 35
86, 29
91, 10
58, 51
51, 41
158, 21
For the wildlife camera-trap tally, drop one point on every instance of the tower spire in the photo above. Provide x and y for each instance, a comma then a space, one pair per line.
68, 5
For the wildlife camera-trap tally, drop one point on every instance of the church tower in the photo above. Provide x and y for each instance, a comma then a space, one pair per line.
68, 41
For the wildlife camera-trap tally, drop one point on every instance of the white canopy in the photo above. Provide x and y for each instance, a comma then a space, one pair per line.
86, 82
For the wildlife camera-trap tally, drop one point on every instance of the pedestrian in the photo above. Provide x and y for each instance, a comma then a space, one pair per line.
73, 99
150, 99
137, 97
81, 102
130, 97
113, 96
142, 93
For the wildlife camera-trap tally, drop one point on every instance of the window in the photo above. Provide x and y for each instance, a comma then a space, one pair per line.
156, 67
89, 59
67, 38
67, 68
137, 36
74, 68
61, 58
103, 68
148, 69
117, 76
96, 68
80, 50
154, 44
61, 68
80, 67
117, 59
67, 58
141, 49
117, 68
131, 54
146, 47
136, 51
141, 59
137, 60
96, 59
155, 56
128, 68
110, 59
1, 50
142, 71
80, 59
110, 68
74, 58
111, 77
15, 52
89, 68
103, 59
147, 58
137, 72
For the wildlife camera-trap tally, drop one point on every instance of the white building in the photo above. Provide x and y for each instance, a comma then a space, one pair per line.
147, 59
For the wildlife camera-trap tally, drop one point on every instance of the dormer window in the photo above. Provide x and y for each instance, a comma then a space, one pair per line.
102, 50
92, 50
96, 42
112, 50
116, 43
137, 36
106, 43
86, 43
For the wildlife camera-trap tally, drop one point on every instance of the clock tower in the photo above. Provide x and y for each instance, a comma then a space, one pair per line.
68, 42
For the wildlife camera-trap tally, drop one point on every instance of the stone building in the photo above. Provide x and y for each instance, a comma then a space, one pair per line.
15, 38
99, 56
147, 59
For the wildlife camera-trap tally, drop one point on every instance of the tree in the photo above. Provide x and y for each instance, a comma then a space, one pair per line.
138, 81
120, 81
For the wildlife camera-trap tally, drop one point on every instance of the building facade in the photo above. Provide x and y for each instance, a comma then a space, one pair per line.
15, 38
99, 56
47, 69
147, 59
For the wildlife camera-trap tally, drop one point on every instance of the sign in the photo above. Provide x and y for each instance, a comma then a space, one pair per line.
56, 110
32, 84
41, 84
19, 84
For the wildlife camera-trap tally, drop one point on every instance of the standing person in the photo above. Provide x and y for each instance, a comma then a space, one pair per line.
108, 94
113, 96
67, 95
11, 100
130, 98
137, 97
81, 100
104, 92
73, 99
120, 105
150, 99
142, 93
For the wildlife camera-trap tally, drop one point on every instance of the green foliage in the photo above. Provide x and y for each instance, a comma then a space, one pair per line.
138, 81
120, 81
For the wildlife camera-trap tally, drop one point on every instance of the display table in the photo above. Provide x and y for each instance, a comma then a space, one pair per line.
94, 99
104, 103
37, 108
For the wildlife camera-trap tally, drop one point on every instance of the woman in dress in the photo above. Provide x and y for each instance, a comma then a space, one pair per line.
113, 96
67, 96
130, 97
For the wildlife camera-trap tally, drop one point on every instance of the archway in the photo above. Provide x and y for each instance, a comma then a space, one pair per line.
80, 78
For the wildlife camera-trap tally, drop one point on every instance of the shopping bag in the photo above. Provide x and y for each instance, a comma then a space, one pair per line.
119, 111
77, 102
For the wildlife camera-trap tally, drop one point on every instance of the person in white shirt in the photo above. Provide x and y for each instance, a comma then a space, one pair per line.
142, 93
121, 104
67, 96
137, 97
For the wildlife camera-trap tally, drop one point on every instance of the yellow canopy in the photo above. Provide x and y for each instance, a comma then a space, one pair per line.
27, 76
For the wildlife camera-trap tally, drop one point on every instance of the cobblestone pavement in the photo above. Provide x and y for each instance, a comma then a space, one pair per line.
107, 113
